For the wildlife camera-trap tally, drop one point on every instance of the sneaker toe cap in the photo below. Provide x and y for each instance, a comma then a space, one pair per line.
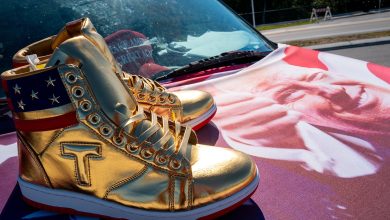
195, 103
219, 173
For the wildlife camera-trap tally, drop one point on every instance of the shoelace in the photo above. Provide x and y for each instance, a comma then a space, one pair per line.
164, 153
142, 85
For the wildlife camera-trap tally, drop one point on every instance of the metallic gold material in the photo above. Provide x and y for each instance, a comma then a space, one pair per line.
195, 103
182, 106
39, 140
230, 172
41, 48
29, 165
116, 151
81, 153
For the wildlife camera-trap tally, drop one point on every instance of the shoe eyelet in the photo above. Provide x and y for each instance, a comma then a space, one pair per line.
161, 159
171, 100
132, 148
105, 130
119, 140
152, 99
85, 105
94, 119
146, 153
78, 92
71, 78
140, 96
174, 164
162, 100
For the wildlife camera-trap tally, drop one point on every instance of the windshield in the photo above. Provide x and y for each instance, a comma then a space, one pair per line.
145, 36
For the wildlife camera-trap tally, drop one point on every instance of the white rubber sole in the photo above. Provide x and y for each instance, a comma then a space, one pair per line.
87, 204
201, 119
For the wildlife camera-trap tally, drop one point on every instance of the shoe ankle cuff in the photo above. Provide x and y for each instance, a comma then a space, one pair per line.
38, 99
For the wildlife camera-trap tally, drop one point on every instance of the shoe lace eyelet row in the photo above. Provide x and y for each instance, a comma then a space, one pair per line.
97, 121
147, 152
138, 90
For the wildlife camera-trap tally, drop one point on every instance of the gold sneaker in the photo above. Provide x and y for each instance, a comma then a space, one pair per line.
86, 147
193, 107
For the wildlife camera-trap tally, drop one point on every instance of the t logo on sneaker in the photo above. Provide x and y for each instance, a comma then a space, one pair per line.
81, 153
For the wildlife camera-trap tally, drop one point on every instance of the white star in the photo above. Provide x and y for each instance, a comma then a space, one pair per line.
54, 99
50, 82
34, 95
21, 104
17, 89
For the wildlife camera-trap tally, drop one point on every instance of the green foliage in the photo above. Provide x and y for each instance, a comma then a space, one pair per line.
300, 3
239, 6
338, 6
322, 3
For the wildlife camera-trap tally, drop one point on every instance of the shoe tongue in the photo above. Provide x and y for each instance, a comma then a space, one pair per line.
84, 27
90, 54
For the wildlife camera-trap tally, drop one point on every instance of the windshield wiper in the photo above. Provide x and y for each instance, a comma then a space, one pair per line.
224, 59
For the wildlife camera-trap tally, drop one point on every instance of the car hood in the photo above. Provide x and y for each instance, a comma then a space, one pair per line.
315, 157
306, 148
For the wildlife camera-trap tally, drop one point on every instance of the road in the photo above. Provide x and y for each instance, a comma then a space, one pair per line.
358, 23
379, 54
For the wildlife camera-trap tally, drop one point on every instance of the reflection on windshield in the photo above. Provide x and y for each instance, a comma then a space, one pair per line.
149, 36
145, 36
214, 43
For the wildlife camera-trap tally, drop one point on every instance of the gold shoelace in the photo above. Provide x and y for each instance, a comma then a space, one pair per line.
165, 152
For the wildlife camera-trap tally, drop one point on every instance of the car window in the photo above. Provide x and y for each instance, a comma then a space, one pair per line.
145, 36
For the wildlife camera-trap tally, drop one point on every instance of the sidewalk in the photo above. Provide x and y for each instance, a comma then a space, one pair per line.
345, 25
351, 44
325, 24
355, 16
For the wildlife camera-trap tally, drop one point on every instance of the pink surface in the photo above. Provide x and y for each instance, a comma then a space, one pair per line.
316, 124
318, 128
8, 168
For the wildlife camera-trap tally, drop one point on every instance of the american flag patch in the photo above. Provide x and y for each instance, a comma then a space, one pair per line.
39, 102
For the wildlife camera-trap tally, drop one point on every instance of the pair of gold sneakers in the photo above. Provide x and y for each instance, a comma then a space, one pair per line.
87, 146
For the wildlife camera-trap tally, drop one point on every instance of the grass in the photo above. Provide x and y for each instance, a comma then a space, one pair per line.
282, 25
335, 39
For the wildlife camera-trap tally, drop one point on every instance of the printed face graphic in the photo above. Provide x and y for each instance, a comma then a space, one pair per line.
332, 101
323, 120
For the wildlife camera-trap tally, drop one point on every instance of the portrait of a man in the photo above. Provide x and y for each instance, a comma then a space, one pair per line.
329, 121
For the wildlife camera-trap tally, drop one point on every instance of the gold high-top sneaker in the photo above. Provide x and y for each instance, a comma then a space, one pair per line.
193, 107
86, 147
